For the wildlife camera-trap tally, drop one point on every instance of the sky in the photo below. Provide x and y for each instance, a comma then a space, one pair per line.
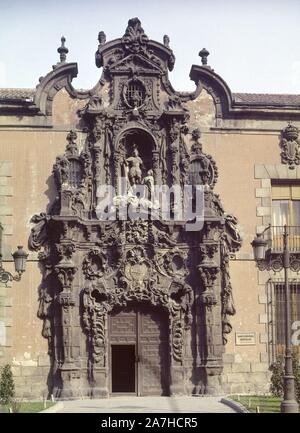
254, 45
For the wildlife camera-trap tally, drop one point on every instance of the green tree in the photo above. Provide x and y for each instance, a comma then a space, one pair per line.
296, 370
7, 386
277, 369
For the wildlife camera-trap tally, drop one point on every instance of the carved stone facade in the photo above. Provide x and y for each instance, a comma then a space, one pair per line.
101, 271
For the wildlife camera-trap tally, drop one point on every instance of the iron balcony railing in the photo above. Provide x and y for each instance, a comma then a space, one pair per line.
275, 237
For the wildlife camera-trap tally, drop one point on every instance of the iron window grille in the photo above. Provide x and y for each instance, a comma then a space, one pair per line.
276, 316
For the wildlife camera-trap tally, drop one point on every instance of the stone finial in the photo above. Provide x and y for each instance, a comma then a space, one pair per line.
102, 38
166, 41
63, 50
204, 54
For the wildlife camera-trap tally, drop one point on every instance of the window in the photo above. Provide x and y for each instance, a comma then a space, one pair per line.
276, 316
135, 94
279, 292
286, 211
75, 175
286, 205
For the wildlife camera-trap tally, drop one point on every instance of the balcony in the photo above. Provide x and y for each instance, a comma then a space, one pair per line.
274, 235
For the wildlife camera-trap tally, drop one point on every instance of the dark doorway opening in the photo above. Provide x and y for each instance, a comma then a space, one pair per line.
123, 368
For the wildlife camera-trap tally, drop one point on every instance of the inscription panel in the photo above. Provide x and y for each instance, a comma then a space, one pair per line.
123, 325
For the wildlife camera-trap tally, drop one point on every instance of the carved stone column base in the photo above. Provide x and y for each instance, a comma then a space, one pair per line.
177, 385
212, 376
71, 382
198, 380
99, 388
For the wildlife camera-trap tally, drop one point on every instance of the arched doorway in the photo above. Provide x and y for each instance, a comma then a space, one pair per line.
139, 353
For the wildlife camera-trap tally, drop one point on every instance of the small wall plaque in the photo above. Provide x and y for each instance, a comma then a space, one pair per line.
245, 338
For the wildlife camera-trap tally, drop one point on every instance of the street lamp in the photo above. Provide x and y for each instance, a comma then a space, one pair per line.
20, 258
265, 259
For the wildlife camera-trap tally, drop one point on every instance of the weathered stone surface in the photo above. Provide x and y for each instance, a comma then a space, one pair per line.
272, 171
7, 319
259, 367
263, 318
266, 183
281, 172
241, 367
236, 377
266, 202
228, 358
262, 299
3, 181
6, 190
263, 338
243, 388
264, 357
5, 168
263, 192
43, 361
266, 220
227, 368
31, 371
261, 172
5, 210
263, 211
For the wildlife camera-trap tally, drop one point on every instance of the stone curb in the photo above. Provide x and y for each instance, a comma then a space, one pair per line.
238, 407
53, 409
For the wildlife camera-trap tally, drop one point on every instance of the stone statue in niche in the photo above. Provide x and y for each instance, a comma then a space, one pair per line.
133, 167
138, 188
149, 183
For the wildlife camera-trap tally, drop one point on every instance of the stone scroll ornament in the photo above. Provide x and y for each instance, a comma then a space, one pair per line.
290, 146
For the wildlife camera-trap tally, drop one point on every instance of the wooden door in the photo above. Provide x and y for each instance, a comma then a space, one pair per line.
147, 329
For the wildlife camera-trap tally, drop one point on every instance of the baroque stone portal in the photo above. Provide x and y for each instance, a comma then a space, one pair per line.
134, 305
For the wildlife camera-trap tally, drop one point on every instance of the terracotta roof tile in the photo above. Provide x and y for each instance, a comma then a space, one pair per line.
10, 93
242, 98
266, 99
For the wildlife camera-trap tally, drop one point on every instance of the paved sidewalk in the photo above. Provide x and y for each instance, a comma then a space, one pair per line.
147, 405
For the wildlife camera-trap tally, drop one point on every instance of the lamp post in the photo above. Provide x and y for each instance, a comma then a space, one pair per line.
20, 258
265, 260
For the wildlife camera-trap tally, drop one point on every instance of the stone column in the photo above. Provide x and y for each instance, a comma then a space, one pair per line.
99, 357
70, 372
97, 164
156, 169
177, 379
117, 171
209, 299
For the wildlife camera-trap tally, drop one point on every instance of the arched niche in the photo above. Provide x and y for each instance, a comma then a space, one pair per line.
141, 140
134, 156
